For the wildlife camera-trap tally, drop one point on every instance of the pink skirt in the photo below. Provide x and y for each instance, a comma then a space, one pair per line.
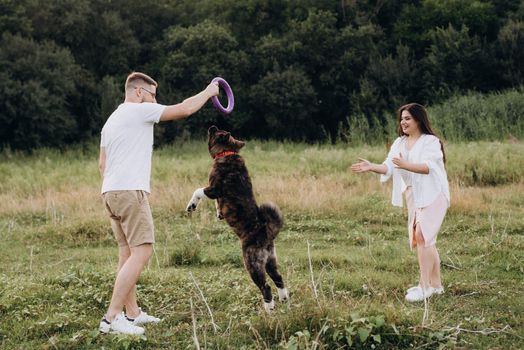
430, 218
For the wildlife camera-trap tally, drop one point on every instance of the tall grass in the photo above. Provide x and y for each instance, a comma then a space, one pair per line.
300, 177
471, 117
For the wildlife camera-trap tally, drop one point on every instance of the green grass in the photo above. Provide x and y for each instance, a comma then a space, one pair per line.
57, 255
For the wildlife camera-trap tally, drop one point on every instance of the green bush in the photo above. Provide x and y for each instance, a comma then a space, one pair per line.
475, 116
471, 117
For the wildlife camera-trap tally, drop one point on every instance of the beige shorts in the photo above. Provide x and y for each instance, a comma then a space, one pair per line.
131, 218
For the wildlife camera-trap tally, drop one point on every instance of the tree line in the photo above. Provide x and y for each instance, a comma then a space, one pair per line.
300, 69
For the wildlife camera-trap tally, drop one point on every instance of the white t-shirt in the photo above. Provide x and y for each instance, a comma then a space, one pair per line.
127, 137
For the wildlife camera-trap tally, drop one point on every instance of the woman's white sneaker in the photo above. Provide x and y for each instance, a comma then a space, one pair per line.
438, 290
143, 318
412, 289
419, 294
120, 325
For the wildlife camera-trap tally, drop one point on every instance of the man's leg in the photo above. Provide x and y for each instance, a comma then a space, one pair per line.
131, 305
127, 277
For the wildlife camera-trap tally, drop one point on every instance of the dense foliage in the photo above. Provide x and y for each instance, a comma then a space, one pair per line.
300, 69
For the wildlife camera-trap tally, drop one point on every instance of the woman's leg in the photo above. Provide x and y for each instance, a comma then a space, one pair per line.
434, 278
426, 258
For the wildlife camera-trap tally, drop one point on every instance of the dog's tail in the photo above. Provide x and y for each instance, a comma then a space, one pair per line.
270, 213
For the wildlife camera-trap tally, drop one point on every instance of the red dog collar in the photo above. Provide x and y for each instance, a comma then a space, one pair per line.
223, 154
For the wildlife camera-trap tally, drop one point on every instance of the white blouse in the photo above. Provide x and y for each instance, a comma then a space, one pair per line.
406, 175
425, 187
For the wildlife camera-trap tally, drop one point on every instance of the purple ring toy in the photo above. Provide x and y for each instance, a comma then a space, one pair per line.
230, 98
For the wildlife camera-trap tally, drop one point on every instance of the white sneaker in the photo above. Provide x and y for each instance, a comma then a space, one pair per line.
419, 294
412, 289
143, 318
120, 325
439, 290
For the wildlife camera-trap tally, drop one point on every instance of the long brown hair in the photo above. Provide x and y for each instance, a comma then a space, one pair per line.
419, 113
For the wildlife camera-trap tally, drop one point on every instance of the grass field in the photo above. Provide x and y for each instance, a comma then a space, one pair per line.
57, 255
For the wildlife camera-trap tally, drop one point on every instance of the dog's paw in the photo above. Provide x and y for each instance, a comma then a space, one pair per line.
269, 307
191, 206
283, 294
193, 203
219, 215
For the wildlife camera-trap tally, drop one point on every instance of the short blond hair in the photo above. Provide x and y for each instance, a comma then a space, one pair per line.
137, 78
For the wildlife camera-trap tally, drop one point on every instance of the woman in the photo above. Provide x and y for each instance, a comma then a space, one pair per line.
416, 162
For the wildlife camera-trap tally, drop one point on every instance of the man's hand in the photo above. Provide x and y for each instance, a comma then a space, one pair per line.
212, 89
102, 162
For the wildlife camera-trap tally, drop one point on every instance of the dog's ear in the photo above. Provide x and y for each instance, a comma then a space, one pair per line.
212, 129
223, 137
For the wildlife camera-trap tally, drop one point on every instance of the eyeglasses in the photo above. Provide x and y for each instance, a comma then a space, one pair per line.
143, 88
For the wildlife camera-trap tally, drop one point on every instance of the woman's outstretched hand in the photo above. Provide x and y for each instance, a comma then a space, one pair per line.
362, 166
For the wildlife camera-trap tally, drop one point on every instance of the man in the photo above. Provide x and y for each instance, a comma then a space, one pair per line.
125, 166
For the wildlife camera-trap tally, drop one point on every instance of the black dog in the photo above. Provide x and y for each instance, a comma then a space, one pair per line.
257, 227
